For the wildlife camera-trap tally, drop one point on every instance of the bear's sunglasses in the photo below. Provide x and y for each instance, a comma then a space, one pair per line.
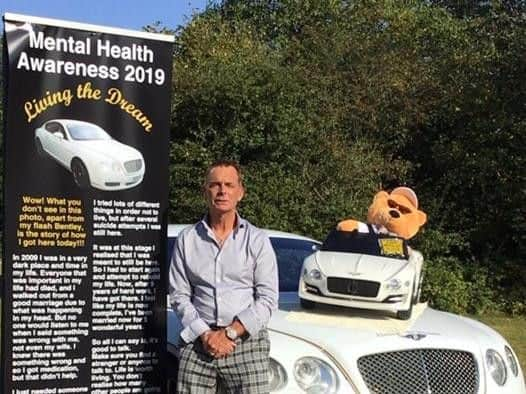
393, 204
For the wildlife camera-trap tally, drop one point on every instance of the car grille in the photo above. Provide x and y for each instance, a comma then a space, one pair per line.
420, 371
133, 165
361, 288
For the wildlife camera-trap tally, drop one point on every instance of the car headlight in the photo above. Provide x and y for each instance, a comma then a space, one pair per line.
313, 274
496, 366
277, 376
394, 284
315, 376
108, 166
512, 361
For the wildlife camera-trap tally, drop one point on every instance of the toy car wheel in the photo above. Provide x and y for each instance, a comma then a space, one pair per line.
306, 304
38, 147
80, 174
405, 315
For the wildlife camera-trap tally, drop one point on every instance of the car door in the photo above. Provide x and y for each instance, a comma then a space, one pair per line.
53, 141
66, 148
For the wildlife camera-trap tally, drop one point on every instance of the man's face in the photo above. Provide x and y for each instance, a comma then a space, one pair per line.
223, 189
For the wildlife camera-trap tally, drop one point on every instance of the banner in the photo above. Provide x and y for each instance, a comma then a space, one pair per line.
85, 196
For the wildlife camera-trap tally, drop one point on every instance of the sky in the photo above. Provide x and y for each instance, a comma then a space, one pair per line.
126, 14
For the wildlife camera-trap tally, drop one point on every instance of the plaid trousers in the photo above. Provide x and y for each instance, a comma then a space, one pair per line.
245, 371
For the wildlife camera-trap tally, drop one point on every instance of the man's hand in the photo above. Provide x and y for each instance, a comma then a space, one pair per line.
217, 344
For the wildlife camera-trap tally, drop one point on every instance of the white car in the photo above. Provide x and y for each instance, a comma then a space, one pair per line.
363, 270
94, 158
328, 350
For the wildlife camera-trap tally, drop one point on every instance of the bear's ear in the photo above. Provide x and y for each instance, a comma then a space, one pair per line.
378, 205
347, 225
380, 194
422, 217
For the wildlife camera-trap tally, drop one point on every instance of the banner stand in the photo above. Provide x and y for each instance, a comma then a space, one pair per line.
86, 143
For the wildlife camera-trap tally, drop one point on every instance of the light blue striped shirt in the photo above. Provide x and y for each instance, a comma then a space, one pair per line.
212, 285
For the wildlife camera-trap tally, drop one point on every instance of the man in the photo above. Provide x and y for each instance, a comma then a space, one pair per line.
224, 287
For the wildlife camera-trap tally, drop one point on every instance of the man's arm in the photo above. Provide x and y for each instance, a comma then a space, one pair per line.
180, 291
257, 315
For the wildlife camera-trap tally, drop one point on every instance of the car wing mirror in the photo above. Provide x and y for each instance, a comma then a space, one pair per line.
58, 134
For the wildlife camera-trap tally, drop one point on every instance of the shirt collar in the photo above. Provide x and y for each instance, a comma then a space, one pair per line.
240, 224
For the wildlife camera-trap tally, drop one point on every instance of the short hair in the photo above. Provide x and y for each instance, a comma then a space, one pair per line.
225, 163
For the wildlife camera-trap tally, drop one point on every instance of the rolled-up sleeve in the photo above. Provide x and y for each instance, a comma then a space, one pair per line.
180, 292
258, 313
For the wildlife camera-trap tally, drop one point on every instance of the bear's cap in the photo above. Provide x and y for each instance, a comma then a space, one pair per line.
407, 193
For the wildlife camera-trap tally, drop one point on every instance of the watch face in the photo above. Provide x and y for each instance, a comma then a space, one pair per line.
231, 333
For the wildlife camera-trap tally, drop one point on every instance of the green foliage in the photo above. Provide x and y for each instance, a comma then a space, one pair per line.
472, 169
452, 286
483, 296
509, 280
445, 287
453, 280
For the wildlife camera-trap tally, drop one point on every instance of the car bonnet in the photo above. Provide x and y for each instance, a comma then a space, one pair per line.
352, 264
349, 336
111, 149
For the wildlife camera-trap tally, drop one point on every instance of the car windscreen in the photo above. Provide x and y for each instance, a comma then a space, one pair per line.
290, 254
85, 132
384, 245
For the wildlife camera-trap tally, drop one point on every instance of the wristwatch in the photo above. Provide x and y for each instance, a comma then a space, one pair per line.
231, 333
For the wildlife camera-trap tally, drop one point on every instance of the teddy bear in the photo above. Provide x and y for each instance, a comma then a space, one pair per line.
395, 213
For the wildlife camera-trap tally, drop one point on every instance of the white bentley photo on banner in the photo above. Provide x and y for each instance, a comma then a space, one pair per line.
93, 157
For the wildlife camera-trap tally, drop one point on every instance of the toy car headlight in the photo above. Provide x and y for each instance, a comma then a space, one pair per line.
512, 361
313, 274
277, 376
394, 284
315, 376
496, 366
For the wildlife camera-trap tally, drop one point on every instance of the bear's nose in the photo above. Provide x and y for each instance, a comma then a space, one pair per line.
394, 213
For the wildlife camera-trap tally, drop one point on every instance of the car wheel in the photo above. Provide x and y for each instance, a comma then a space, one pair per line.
307, 304
80, 174
38, 147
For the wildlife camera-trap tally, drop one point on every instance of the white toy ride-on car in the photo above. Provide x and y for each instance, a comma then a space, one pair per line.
363, 270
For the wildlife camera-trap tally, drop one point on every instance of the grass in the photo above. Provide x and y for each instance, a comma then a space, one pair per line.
511, 328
